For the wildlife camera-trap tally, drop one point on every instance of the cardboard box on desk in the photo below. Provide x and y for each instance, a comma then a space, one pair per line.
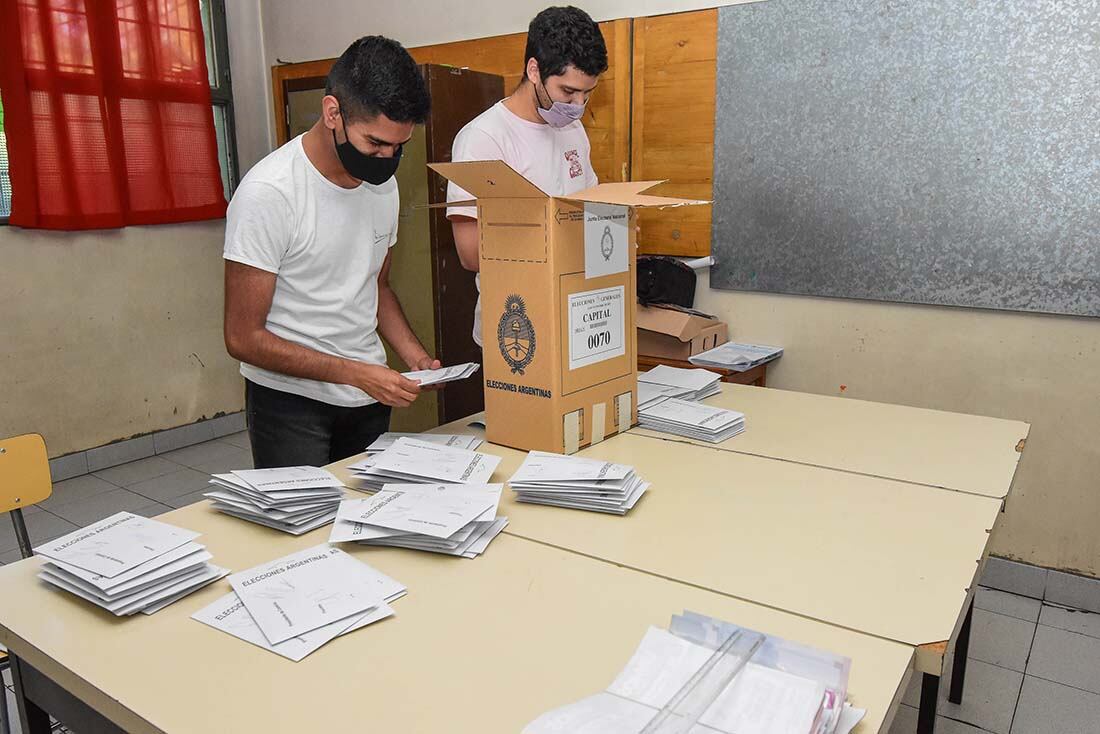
557, 306
672, 332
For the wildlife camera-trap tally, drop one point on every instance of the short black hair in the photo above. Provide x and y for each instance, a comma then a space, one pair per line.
377, 75
563, 36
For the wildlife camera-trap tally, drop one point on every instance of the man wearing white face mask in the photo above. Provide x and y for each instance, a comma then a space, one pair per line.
537, 131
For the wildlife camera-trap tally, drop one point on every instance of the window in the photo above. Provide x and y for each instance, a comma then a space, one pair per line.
217, 60
221, 90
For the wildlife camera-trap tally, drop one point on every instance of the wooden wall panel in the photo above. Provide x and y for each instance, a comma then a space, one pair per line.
607, 119
673, 125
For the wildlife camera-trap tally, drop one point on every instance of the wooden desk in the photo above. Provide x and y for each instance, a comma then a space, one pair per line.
477, 646
965, 453
887, 558
757, 376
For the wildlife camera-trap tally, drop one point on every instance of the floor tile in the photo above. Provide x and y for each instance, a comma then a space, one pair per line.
120, 453
13, 713
176, 438
1016, 578
10, 556
905, 721
69, 466
1000, 640
1010, 605
152, 510
75, 490
1070, 590
93, 509
240, 440
1051, 708
203, 453
162, 489
41, 527
1066, 657
242, 459
988, 698
228, 424
137, 471
1074, 620
187, 499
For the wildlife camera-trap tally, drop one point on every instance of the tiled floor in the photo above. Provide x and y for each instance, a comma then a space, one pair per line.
1034, 665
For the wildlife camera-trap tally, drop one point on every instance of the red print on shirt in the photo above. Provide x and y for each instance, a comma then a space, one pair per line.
574, 163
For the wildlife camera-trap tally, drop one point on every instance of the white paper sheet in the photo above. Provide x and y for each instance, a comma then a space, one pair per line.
300, 592
116, 544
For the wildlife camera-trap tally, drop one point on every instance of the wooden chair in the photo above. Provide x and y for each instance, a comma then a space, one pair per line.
24, 481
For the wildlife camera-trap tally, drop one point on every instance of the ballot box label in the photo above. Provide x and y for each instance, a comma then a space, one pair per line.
596, 326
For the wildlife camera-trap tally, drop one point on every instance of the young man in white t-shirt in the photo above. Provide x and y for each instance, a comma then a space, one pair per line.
537, 131
306, 268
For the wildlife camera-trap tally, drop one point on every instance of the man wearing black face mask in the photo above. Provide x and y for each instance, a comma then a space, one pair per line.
307, 259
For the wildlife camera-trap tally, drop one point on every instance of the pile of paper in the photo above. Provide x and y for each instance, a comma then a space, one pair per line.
417, 461
128, 564
295, 604
578, 483
453, 440
681, 383
454, 519
672, 684
294, 499
692, 420
443, 374
736, 356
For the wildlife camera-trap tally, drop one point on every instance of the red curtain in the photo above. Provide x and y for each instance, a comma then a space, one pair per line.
107, 113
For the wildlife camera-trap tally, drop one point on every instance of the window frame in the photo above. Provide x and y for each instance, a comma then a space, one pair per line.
221, 93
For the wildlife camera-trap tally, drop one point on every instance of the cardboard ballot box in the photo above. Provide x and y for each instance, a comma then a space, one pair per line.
557, 306
673, 332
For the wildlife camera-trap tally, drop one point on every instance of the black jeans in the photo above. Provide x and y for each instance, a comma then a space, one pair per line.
291, 430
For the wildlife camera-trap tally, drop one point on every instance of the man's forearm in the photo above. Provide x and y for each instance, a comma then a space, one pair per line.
394, 327
267, 351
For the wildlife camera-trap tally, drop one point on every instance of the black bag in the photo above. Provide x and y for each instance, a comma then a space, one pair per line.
665, 280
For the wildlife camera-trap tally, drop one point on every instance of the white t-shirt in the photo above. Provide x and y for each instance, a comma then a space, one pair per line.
557, 160
327, 245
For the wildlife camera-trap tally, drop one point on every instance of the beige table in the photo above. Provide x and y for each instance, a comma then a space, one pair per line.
477, 646
887, 558
966, 453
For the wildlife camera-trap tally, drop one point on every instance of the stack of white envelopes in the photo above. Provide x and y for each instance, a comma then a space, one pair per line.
294, 499
128, 564
295, 604
692, 420
443, 374
415, 461
454, 519
453, 440
578, 483
688, 384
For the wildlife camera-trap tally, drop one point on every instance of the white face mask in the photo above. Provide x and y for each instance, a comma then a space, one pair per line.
559, 114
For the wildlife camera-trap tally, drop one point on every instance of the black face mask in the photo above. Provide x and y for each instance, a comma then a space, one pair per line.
372, 169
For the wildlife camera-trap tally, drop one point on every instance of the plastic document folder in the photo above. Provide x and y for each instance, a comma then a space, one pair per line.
705, 676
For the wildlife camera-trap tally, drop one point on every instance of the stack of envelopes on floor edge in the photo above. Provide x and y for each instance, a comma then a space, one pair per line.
692, 420
294, 499
578, 483
128, 564
295, 604
454, 519
416, 461
454, 440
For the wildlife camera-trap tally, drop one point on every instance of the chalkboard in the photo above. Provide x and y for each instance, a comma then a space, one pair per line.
921, 151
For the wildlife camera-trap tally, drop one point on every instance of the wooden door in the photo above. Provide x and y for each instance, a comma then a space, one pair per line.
458, 96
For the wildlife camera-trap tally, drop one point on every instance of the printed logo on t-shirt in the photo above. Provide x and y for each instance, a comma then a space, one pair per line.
381, 237
574, 159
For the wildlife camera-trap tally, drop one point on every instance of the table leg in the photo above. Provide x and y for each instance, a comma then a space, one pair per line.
34, 720
958, 664
929, 692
